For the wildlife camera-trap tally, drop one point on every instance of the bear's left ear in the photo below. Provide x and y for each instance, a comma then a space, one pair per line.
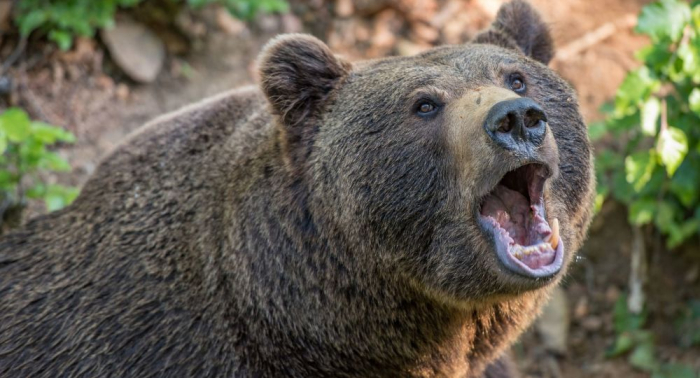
297, 73
519, 26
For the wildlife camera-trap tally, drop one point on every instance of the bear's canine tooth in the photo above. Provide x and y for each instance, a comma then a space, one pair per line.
554, 237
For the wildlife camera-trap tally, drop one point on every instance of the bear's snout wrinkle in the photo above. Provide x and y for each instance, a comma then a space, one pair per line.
517, 124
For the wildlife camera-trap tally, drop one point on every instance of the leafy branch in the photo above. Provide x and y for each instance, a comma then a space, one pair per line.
655, 171
23, 155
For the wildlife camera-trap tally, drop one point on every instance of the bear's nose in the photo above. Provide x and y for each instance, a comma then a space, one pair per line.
516, 124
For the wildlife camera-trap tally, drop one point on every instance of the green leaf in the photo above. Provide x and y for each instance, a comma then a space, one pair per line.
664, 19
674, 371
624, 320
636, 87
643, 357
608, 160
694, 101
36, 191
665, 214
31, 21
623, 123
655, 56
54, 162
623, 344
690, 55
3, 142
7, 179
638, 168
672, 146
58, 196
686, 181
656, 182
14, 122
63, 39
651, 110
680, 233
596, 130
49, 134
621, 189
642, 211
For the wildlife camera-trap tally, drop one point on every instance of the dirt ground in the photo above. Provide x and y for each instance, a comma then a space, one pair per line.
85, 92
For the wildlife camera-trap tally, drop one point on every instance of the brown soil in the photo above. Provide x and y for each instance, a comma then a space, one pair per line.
84, 92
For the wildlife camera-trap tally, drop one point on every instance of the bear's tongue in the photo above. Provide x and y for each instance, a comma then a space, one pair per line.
529, 233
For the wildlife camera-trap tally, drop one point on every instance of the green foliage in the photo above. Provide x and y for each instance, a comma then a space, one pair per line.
63, 20
245, 9
688, 326
638, 344
23, 153
655, 116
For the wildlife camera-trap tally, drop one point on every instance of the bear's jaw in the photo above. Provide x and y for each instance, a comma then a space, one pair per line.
514, 213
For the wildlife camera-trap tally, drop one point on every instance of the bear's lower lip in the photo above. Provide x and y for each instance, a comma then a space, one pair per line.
514, 214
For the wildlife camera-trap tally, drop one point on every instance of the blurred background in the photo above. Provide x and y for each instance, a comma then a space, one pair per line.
76, 76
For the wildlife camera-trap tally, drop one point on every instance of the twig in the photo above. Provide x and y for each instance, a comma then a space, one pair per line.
16, 53
638, 274
603, 32
28, 96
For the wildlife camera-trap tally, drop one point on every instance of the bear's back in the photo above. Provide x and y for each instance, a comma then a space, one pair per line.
117, 281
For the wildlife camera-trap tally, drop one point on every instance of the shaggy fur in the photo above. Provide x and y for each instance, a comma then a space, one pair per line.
316, 228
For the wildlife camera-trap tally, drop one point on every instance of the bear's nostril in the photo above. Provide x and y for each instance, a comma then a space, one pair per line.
506, 124
534, 118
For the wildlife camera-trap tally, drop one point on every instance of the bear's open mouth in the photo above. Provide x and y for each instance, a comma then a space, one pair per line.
514, 213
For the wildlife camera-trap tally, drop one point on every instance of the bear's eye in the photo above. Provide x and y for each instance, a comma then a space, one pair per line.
517, 84
426, 108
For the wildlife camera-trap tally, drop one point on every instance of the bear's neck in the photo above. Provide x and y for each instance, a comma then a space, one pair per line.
318, 309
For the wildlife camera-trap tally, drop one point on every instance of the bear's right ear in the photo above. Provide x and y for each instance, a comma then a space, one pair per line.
297, 73
519, 26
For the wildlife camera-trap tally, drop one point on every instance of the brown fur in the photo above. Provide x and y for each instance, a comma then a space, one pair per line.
318, 228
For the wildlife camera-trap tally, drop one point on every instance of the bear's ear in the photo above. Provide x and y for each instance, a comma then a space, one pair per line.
519, 26
297, 73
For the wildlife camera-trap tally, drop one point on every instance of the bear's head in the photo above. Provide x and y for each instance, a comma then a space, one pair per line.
466, 170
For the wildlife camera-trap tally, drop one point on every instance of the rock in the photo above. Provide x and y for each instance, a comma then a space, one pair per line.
612, 294
553, 324
122, 92
83, 51
490, 7
5, 86
291, 23
269, 23
581, 309
344, 8
425, 32
104, 82
448, 11
592, 323
384, 35
370, 7
229, 24
408, 48
135, 49
420, 10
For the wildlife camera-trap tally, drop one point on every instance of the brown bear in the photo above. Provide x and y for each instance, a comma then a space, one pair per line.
390, 218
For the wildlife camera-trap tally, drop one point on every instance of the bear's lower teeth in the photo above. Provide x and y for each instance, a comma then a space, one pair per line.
519, 251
